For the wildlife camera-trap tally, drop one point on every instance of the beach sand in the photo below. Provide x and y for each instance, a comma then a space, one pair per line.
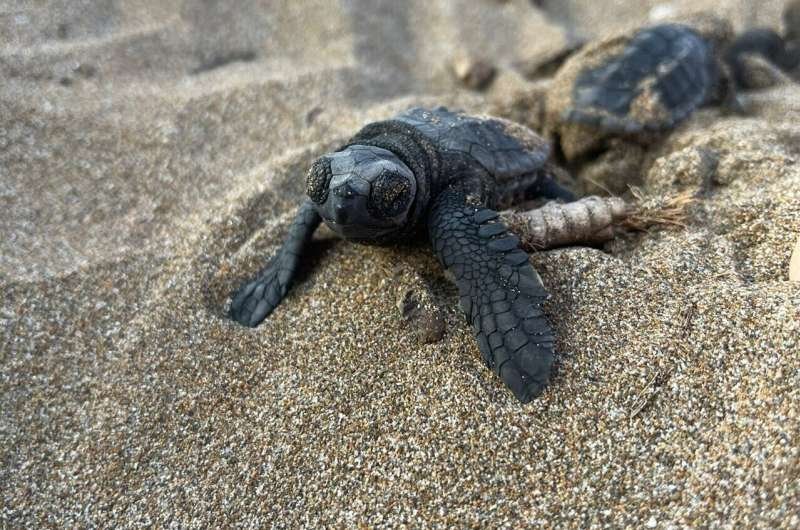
151, 156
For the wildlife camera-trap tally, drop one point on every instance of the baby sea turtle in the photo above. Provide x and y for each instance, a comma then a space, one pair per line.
445, 173
632, 84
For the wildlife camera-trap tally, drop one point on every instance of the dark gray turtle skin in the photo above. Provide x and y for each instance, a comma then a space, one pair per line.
764, 42
443, 173
644, 82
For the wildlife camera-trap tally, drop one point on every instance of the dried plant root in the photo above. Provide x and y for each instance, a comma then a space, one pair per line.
589, 221
649, 212
594, 220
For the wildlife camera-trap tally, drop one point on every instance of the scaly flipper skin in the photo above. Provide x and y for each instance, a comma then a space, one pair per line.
256, 299
500, 292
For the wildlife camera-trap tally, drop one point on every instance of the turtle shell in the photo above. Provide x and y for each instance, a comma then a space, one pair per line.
503, 148
646, 81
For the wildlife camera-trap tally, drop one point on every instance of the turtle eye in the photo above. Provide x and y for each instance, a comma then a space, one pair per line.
317, 180
390, 194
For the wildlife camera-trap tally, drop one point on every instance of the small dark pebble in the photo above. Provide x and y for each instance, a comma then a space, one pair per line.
473, 73
312, 115
85, 70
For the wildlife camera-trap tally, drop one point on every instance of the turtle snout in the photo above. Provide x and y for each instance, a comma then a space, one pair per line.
340, 214
345, 203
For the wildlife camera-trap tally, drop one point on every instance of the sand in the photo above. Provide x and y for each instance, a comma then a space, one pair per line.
151, 155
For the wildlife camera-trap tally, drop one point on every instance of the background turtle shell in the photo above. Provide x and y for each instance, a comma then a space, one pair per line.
663, 74
504, 149
647, 80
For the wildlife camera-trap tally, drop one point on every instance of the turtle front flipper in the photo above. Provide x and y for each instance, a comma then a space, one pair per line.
260, 296
762, 42
500, 292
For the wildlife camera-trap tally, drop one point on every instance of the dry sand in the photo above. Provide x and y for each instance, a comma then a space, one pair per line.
151, 155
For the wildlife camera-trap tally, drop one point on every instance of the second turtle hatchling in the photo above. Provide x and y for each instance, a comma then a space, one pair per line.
443, 174
636, 84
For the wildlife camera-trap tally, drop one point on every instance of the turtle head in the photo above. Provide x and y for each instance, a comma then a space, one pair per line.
363, 192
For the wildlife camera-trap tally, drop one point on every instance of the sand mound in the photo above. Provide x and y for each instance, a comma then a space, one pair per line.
152, 160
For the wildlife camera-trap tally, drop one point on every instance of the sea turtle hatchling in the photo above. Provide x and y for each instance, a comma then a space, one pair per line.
639, 82
444, 172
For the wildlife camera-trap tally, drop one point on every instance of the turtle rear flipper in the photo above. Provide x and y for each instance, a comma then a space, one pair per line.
500, 293
256, 299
